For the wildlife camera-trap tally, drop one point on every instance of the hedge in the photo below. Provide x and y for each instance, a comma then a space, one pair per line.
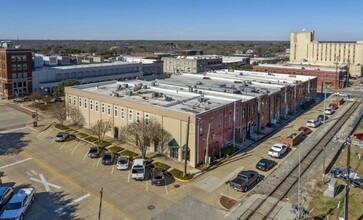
180, 174
102, 143
228, 151
128, 153
115, 149
160, 165
91, 139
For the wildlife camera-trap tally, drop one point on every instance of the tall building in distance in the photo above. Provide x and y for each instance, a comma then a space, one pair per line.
15, 72
304, 48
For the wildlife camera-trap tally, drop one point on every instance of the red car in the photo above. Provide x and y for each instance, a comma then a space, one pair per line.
359, 136
304, 130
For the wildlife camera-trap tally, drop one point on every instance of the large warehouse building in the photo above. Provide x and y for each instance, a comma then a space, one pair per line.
235, 104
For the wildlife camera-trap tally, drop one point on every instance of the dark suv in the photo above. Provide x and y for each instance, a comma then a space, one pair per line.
6, 192
108, 158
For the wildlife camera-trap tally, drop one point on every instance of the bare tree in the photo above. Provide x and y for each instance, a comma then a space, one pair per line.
59, 112
139, 133
75, 115
160, 137
36, 96
100, 128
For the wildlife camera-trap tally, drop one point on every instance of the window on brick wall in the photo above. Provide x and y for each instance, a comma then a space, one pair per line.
109, 109
85, 103
220, 119
130, 115
103, 108
80, 102
122, 113
91, 105
96, 106
115, 111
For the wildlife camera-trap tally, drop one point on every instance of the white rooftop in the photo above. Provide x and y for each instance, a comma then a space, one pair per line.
92, 65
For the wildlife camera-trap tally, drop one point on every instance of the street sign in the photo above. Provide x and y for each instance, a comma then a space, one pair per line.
33, 114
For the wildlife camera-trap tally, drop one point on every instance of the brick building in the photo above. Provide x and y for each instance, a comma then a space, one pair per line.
334, 78
15, 72
236, 105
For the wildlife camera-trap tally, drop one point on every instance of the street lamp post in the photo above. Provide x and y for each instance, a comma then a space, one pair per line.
347, 143
99, 209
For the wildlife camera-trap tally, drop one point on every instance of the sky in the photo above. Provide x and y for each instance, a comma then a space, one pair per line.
332, 20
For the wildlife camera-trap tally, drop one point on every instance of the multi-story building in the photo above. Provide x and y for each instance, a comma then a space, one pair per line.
44, 79
192, 64
334, 78
149, 66
303, 48
15, 72
234, 104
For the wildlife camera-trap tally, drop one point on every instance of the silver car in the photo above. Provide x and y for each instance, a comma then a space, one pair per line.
123, 163
61, 136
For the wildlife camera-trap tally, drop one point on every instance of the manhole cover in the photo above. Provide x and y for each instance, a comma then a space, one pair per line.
151, 207
176, 186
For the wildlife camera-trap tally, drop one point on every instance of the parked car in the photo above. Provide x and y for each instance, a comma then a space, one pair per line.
341, 94
313, 123
321, 118
157, 177
20, 99
6, 192
333, 106
341, 173
359, 136
138, 169
265, 164
19, 204
304, 130
277, 150
108, 158
123, 163
361, 83
358, 144
61, 136
329, 111
356, 182
94, 152
245, 180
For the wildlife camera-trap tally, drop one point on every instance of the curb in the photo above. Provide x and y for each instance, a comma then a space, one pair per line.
30, 127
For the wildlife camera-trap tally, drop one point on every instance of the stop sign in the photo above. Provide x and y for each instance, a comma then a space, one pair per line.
33, 115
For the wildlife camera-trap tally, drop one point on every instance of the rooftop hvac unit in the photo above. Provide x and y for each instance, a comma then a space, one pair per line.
199, 83
144, 86
190, 89
153, 95
153, 83
119, 87
130, 93
124, 86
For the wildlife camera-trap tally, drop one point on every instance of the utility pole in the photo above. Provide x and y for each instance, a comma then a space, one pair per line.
186, 149
207, 148
99, 209
298, 191
346, 199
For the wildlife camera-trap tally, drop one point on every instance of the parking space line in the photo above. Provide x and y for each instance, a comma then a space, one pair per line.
113, 168
72, 203
74, 183
128, 178
43, 135
85, 155
12, 164
45, 183
16, 129
62, 146
98, 162
76, 147
166, 189
147, 186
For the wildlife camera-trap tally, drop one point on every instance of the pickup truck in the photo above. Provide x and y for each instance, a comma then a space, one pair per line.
138, 169
277, 150
19, 204
341, 94
244, 180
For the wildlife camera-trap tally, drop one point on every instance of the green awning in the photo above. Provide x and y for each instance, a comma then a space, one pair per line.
184, 146
173, 144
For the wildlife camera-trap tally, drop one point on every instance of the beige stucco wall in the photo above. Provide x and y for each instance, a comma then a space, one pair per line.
174, 122
303, 47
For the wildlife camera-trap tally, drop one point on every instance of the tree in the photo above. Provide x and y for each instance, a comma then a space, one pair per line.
36, 96
59, 89
75, 116
160, 137
100, 128
59, 112
139, 133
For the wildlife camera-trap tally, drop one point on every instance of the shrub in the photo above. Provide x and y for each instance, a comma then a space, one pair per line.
115, 149
61, 127
228, 151
160, 165
102, 143
82, 135
128, 153
91, 139
180, 174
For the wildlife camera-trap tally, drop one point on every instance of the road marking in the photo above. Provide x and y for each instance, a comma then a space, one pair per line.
98, 162
45, 183
128, 178
166, 188
74, 183
62, 146
73, 202
16, 129
147, 186
113, 168
28, 173
33, 172
12, 164
75, 147
43, 135
85, 155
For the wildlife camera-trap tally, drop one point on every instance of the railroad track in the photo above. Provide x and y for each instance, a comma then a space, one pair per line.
263, 209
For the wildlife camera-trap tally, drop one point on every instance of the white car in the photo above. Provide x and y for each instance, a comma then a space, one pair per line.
123, 163
138, 169
341, 94
277, 150
313, 123
329, 111
19, 204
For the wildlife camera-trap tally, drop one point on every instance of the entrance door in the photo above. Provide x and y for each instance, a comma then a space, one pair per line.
115, 133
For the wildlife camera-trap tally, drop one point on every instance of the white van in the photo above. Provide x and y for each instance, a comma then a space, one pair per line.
138, 169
